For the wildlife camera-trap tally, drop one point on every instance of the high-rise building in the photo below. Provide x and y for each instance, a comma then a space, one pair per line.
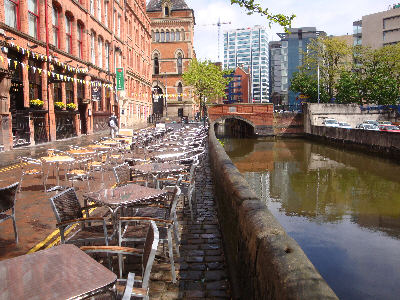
248, 48
278, 72
297, 40
172, 29
378, 29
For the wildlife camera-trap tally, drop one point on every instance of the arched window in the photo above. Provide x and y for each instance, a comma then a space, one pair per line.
68, 33
79, 37
157, 36
180, 91
179, 63
166, 11
162, 36
167, 36
172, 35
156, 65
100, 52
92, 50
177, 36
56, 27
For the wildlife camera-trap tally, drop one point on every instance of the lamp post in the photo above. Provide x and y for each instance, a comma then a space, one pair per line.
166, 95
318, 78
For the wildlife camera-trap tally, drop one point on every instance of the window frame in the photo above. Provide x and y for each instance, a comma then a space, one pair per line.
79, 37
92, 48
156, 69
56, 28
68, 34
99, 10
106, 13
179, 63
107, 53
37, 19
100, 52
16, 13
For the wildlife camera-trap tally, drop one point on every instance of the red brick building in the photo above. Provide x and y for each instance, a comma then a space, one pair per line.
66, 56
172, 29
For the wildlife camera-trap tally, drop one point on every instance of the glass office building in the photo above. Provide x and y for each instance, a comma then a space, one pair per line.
248, 47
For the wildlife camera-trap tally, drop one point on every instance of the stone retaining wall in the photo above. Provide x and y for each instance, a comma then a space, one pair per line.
263, 261
385, 144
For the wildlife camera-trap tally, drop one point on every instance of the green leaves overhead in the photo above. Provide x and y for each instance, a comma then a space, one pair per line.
252, 7
206, 79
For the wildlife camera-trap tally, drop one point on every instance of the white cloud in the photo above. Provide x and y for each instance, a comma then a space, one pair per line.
334, 17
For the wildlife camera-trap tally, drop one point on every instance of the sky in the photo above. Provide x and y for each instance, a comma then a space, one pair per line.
335, 17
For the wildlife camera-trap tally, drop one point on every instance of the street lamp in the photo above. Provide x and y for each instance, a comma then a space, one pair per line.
318, 78
166, 94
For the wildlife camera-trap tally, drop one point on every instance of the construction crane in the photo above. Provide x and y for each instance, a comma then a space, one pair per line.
219, 24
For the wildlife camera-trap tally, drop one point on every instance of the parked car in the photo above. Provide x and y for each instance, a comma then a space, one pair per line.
385, 123
373, 122
344, 125
389, 128
330, 122
367, 127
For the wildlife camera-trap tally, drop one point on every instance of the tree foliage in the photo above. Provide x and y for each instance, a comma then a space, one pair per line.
307, 85
252, 7
207, 80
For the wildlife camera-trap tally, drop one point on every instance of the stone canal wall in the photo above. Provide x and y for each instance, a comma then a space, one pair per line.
385, 144
263, 261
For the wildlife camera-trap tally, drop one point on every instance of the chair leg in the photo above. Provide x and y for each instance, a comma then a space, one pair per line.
15, 226
171, 256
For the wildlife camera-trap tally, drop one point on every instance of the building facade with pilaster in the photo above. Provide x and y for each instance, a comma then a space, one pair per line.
172, 28
61, 59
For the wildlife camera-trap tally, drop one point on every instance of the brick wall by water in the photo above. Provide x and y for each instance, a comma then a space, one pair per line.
263, 261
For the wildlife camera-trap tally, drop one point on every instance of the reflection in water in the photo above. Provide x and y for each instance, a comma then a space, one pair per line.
343, 208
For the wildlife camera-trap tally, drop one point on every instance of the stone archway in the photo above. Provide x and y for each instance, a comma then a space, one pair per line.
236, 126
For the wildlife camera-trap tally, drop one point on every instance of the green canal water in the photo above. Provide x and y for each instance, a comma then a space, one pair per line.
342, 207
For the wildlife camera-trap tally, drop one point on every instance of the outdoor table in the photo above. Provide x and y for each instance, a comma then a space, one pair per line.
57, 159
62, 272
79, 152
110, 143
124, 140
169, 155
156, 169
126, 195
99, 147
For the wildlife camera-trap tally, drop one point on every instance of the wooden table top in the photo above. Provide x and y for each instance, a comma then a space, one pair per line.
61, 272
128, 194
57, 158
81, 151
95, 146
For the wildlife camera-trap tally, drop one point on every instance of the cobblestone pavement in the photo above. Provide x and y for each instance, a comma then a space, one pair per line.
201, 266
202, 269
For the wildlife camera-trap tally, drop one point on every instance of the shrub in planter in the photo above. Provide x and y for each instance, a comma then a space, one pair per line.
36, 103
71, 106
59, 105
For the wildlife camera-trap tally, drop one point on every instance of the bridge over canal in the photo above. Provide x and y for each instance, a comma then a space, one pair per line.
259, 119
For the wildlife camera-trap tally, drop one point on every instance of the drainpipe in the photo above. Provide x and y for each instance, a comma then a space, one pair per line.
48, 65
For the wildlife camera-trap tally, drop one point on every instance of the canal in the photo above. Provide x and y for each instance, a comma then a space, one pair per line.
342, 208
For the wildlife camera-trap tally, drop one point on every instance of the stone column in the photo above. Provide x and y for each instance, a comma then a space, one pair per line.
5, 117
88, 94
77, 117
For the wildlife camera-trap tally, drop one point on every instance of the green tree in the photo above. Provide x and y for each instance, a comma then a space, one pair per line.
251, 7
307, 85
207, 80
349, 88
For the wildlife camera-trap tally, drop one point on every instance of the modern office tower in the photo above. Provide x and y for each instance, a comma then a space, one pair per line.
278, 72
297, 40
248, 48
378, 29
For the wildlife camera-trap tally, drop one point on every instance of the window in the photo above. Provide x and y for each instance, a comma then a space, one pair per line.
183, 34
107, 54
11, 9
180, 91
178, 36
79, 38
179, 63
69, 91
167, 36
33, 18
56, 27
92, 7
99, 10
172, 35
166, 11
92, 54
106, 13
119, 26
162, 36
157, 37
156, 65
68, 30
35, 80
114, 20
100, 52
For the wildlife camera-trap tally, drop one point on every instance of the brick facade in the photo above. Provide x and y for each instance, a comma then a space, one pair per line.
87, 40
172, 46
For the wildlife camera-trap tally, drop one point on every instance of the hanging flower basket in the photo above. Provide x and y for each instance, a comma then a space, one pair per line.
59, 105
71, 106
36, 104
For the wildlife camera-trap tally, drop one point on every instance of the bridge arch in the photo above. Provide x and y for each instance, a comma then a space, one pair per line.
232, 125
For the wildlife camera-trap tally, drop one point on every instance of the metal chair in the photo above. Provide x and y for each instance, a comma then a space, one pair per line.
147, 254
68, 211
79, 170
167, 227
31, 166
8, 196
123, 175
